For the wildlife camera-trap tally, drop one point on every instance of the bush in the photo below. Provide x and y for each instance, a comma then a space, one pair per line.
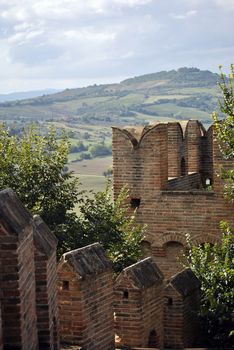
214, 267
99, 150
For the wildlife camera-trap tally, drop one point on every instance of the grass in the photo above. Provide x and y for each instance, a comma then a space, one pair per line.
177, 111
92, 182
154, 98
89, 167
90, 173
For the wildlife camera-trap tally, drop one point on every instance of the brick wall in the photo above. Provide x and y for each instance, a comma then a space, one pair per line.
144, 163
138, 305
86, 298
46, 285
181, 302
17, 274
176, 149
1, 333
187, 182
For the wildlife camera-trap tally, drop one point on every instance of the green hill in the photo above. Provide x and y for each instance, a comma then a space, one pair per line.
182, 94
88, 113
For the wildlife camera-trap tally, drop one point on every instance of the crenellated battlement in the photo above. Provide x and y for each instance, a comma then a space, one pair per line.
171, 171
173, 149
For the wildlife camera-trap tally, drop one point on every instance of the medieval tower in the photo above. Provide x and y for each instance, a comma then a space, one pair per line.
171, 172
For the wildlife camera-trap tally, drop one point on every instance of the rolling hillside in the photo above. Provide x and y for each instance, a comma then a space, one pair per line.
182, 94
87, 114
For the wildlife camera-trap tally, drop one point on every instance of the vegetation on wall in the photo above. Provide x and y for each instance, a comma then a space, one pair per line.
101, 220
34, 166
214, 264
225, 130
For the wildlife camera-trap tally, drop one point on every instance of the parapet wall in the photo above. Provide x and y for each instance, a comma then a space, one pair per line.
86, 298
46, 285
28, 297
138, 305
1, 335
27, 278
17, 265
167, 168
181, 304
185, 183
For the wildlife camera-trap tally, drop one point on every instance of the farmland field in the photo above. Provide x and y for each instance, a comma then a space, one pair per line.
90, 172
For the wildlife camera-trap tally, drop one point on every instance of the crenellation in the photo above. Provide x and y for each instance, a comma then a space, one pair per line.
175, 178
181, 303
18, 300
138, 305
46, 285
86, 298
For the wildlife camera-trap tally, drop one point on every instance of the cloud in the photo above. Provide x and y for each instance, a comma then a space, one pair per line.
185, 15
80, 41
227, 5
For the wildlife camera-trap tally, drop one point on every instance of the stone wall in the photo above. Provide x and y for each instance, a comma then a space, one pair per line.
181, 303
86, 299
46, 285
138, 305
145, 160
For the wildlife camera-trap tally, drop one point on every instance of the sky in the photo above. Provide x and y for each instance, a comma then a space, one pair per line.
73, 43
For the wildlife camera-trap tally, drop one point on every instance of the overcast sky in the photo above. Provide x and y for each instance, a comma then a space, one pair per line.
72, 43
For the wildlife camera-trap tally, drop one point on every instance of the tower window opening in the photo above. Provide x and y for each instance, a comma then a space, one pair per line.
183, 167
135, 202
169, 301
65, 285
125, 294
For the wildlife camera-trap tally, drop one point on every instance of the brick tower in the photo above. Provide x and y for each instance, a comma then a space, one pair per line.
170, 170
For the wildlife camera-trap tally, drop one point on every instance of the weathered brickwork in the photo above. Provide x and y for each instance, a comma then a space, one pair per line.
86, 298
166, 167
181, 302
1, 333
138, 305
46, 285
17, 277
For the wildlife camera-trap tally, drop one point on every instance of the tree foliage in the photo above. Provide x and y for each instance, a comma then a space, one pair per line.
109, 223
214, 267
214, 264
34, 166
225, 129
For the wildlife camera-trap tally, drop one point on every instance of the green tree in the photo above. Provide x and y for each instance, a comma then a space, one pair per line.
214, 267
99, 150
225, 129
214, 264
34, 166
102, 220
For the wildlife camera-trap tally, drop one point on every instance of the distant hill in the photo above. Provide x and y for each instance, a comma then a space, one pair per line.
26, 94
186, 93
88, 113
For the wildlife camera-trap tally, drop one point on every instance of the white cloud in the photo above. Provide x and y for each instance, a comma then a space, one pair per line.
133, 2
81, 41
185, 15
89, 34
